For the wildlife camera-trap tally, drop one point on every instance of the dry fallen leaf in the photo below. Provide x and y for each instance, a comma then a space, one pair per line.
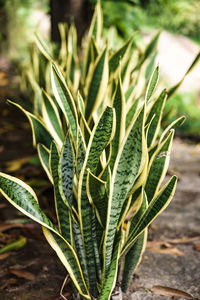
170, 292
4, 255
197, 247
5, 226
22, 274
167, 243
3, 205
152, 244
169, 250
7, 283
16, 164
184, 240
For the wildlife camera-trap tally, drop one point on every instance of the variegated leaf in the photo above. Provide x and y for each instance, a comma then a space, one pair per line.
156, 206
44, 154
118, 55
128, 165
157, 110
66, 172
96, 191
100, 137
24, 199
152, 84
158, 166
65, 100
133, 259
62, 211
173, 125
119, 106
110, 280
52, 119
97, 85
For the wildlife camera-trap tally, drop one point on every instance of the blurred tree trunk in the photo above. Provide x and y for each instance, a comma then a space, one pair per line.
144, 3
77, 11
3, 28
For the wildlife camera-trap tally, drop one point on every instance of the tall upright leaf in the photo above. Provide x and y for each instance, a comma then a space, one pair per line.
52, 119
119, 105
62, 211
157, 110
128, 165
158, 166
97, 84
65, 100
111, 278
66, 172
100, 137
152, 84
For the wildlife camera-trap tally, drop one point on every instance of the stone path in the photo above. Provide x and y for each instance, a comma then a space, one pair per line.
180, 219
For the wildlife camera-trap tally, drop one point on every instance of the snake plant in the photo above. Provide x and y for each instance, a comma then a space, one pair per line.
96, 127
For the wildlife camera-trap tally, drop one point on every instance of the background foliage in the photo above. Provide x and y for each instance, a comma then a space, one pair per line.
21, 18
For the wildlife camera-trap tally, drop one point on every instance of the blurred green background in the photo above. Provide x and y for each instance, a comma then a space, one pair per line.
19, 19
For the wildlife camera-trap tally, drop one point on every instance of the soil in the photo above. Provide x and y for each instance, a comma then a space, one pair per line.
46, 273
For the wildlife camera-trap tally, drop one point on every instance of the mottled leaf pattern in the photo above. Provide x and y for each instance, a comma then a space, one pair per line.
119, 106
68, 260
96, 190
66, 171
97, 84
158, 167
52, 119
132, 259
64, 99
97, 129
156, 206
99, 139
152, 84
62, 212
128, 165
111, 278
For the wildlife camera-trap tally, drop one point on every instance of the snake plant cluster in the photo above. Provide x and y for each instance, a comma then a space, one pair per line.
96, 125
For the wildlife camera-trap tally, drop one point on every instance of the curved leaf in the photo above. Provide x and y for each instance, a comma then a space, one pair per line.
128, 165
62, 211
156, 206
97, 84
40, 133
152, 84
43, 154
100, 137
118, 55
158, 167
64, 99
66, 172
173, 125
52, 119
24, 199
132, 259
119, 106
96, 191
157, 110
